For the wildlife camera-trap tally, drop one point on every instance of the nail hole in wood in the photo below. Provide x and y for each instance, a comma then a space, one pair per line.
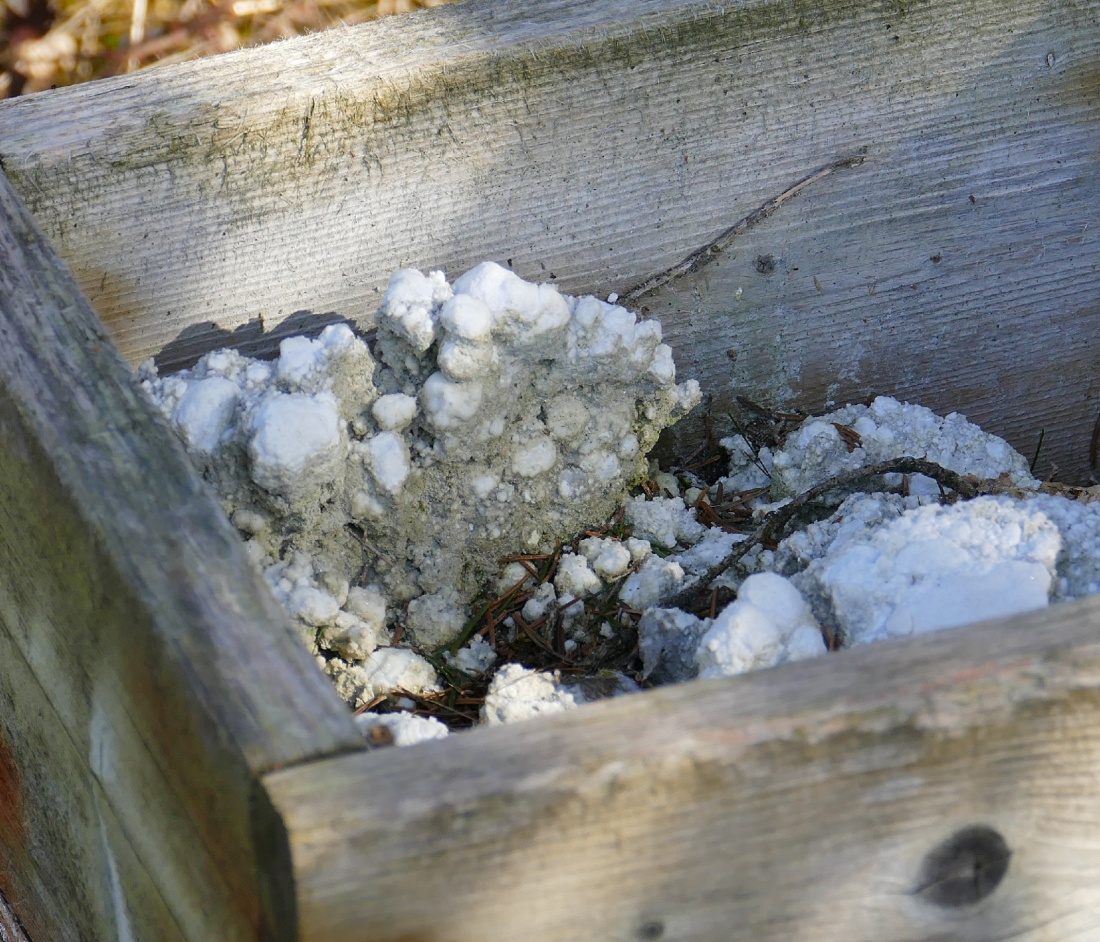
648, 931
964, 869
765, 264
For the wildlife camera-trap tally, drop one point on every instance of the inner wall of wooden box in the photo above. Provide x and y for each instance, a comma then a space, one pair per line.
955, 266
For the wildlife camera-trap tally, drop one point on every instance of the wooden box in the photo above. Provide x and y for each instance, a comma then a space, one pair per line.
895, 196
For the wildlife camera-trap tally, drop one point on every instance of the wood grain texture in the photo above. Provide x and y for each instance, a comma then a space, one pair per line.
164, 662
814, 801
595, 145
67, 868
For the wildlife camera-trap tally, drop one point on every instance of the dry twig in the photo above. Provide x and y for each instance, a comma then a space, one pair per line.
771, 530
703, 256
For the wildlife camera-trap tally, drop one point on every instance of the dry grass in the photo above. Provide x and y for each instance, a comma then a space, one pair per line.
47, 43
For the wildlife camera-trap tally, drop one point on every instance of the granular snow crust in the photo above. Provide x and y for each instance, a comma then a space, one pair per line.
378, 484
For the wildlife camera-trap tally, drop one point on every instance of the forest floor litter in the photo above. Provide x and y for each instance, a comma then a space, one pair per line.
459, 515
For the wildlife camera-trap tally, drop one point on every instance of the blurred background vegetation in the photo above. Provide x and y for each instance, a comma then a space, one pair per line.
46, 43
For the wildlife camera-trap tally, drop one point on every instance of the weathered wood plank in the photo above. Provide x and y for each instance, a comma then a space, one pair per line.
165, 662
66, 866
596, 144
806, 802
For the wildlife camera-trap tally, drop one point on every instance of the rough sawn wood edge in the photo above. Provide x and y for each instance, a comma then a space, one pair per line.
819, 800
164, 660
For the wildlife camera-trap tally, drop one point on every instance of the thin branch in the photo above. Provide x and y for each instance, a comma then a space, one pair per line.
137, 31
771, 530
701, 257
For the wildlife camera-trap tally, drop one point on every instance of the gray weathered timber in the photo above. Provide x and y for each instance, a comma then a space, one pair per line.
147, 675
801, 803
67, 868
595, 144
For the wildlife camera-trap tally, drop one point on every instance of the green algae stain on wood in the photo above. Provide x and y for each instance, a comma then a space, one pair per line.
243, 152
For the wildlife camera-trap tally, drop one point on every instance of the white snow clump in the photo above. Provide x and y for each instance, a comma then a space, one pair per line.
940, 567
517, 693
406, 729
768, 623
488, 417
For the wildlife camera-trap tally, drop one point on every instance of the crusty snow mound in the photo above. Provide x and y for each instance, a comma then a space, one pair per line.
941, 566
379, 485
887, 429
883, 565
488, 417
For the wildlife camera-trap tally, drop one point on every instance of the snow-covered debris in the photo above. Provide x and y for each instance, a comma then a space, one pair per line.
891, 429
475, 657
748, 468
768, 623
670, 524
659, 578
941, 566
858, 514
884, 565
489, 417
518, 693
378, 485
405, 729
667, 641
